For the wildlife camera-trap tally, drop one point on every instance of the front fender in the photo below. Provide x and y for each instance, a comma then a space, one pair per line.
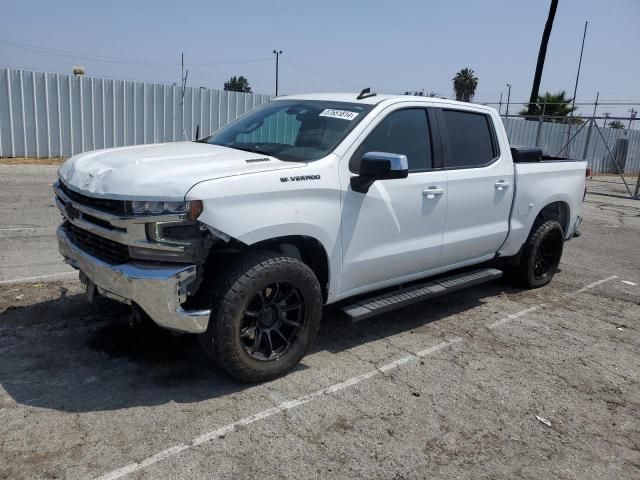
254, 208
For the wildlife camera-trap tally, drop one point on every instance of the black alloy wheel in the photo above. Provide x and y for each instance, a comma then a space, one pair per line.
272, 321
547, 255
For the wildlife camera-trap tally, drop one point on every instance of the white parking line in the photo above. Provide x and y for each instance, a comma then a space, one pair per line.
16, 229
595, 284
519, 314
513, 316
288, 405
39, 277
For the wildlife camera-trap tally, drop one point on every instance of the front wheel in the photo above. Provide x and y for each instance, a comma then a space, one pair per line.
265, 314
540, 256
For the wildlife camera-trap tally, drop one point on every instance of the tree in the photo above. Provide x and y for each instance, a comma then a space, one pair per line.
617, 124
464, 84
237, 84
542, 53
554, 105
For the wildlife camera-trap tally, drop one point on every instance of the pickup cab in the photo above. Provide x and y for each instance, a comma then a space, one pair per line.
373, 201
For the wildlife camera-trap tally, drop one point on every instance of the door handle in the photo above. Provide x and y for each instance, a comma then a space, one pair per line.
431, 192
502, 185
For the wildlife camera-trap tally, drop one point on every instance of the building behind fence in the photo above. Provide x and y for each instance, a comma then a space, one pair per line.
54, 115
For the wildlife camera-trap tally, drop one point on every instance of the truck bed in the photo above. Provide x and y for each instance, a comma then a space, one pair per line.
539, 183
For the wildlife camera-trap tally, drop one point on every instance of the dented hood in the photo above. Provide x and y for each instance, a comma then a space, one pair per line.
162, 171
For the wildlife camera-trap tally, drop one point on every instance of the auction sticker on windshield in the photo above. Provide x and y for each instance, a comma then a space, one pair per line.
343, 114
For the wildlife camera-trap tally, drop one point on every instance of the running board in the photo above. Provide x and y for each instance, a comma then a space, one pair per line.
417, 293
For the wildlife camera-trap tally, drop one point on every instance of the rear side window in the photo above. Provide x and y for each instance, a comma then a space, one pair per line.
405, 132
470, 138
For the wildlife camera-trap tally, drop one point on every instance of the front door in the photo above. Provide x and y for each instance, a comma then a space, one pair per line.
395, 229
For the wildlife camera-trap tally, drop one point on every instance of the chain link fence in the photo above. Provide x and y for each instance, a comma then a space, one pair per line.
609, 144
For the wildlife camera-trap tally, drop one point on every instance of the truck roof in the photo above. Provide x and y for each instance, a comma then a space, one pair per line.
374, 100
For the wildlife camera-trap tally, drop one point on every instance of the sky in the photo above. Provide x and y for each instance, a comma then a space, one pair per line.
329, 45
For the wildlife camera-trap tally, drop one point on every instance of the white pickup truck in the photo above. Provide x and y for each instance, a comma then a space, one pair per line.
243, 236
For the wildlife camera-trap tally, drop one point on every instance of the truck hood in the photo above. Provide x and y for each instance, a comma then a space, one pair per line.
162, 171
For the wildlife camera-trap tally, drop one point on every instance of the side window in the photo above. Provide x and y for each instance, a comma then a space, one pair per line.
470, 139
405, 132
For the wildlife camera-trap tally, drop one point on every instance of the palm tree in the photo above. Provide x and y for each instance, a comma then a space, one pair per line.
464, 84
554, 105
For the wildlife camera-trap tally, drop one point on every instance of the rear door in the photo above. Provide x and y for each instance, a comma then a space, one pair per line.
480, 186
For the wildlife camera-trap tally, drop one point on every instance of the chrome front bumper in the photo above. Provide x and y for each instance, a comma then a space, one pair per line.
159, 291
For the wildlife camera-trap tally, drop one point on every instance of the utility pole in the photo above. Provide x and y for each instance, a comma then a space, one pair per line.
542, 53
508, 99
500, 104
277, 54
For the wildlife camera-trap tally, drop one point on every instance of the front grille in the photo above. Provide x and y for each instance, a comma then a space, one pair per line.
106, 250
104, 204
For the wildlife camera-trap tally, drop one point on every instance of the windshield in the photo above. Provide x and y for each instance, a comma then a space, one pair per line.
294, 130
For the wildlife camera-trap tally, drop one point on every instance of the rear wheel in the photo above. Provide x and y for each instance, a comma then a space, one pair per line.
540, 256
265, 314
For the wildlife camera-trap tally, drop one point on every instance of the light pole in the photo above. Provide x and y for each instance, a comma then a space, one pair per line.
277, 53
508, 99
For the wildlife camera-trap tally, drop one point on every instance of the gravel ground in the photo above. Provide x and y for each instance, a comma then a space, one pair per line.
492, 382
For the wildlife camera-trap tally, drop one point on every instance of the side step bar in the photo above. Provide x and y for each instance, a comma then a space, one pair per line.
417, 293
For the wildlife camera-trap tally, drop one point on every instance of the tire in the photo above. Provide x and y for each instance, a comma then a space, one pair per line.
255, 305
540, 257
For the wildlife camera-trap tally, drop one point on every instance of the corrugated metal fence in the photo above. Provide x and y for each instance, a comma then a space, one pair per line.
554, 136
53, 115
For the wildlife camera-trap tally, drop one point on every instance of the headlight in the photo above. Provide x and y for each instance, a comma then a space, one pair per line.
158, 207
192, 208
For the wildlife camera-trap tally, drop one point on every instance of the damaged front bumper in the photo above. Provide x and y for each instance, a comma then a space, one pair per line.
158, 290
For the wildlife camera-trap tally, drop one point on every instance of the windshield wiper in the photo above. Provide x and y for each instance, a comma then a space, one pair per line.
252, 150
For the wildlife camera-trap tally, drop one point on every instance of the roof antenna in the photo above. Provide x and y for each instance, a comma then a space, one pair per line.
366, 93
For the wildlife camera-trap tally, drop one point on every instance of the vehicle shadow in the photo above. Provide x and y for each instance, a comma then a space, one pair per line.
66, 355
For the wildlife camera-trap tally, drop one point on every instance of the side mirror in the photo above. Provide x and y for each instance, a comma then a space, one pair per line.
379, 166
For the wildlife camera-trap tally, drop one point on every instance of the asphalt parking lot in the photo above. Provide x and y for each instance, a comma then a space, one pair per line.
492, 382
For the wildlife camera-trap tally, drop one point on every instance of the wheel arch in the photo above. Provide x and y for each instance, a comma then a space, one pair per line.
558, 210
305, 248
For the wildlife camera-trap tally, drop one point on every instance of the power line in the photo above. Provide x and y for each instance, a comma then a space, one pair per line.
320, 74
119, 60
